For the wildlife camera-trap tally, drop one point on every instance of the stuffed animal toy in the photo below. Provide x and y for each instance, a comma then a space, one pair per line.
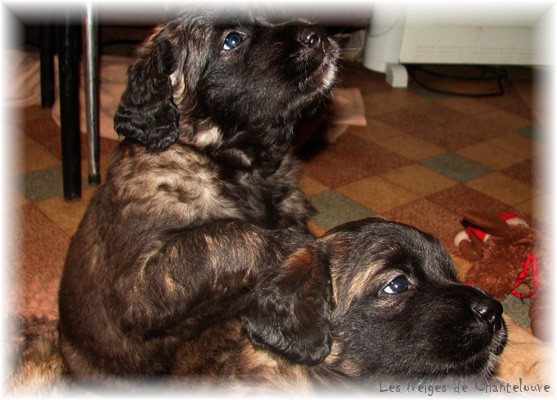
501, 249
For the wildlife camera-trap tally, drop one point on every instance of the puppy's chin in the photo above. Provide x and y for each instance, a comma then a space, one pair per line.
317, 84
317, 70
481, 364
320, 78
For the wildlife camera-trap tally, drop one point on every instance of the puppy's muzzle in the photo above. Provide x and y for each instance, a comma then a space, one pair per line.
489, 312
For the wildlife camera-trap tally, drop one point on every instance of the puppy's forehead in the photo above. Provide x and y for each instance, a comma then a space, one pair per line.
402, 245
246, 16
389, 245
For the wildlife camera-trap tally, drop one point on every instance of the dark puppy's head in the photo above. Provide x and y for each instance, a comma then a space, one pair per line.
397, 308
402, 311
223, 81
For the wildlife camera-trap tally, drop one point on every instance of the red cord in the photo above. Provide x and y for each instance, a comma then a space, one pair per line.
531, 260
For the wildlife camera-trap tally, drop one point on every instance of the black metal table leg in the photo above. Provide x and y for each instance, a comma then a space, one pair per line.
68, 61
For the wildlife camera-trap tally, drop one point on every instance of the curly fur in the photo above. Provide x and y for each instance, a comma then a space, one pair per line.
435, 328
201, 202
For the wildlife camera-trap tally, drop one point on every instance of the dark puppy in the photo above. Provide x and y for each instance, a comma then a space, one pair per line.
200, 199
397, 311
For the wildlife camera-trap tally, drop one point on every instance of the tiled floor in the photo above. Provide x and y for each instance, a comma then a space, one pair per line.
423, 159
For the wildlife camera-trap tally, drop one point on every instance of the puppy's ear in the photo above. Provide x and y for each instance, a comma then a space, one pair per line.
290, 311
147, 112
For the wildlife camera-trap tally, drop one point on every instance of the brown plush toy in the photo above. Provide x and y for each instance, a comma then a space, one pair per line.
501, 249
498, 246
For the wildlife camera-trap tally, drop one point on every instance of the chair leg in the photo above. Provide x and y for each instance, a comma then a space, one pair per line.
68, 61
46, 51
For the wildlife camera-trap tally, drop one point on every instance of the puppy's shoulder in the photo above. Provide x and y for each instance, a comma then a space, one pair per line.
180, 182
130, 159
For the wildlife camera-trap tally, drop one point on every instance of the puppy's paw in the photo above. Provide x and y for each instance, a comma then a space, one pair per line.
290, 311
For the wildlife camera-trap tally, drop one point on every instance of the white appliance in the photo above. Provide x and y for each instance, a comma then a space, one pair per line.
488, 33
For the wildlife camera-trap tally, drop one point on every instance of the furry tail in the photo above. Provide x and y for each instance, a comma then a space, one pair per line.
38, 367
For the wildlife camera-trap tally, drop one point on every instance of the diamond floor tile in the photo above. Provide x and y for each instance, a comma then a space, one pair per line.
333, 209
455, 167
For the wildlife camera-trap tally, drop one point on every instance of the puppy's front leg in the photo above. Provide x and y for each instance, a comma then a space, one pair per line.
277, 281
201, 275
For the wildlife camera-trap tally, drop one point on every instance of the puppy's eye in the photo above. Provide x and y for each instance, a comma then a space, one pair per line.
397, 285
232, 40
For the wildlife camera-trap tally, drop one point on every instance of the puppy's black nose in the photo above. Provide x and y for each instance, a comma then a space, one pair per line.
310, 36
490, 311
